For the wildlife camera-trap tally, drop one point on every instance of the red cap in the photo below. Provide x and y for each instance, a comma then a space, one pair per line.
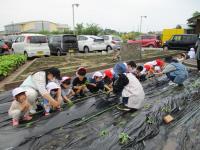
147, 67
108, 73
160, 62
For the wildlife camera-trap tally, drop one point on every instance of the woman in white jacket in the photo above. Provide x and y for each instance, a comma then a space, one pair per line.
129, 88
35, 84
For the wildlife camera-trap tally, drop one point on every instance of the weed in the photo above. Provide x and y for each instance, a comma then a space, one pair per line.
147, 106
150, 120
166, 109
124, 138
104, 133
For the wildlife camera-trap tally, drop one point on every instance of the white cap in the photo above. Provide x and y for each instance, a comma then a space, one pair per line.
17, 91
97, 74
192, 49
157, 68
64, 78
52, 86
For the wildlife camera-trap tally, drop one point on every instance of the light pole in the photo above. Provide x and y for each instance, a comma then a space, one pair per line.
141, 22
73, 15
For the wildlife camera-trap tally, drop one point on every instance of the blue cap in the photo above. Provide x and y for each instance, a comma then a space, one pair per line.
120, 68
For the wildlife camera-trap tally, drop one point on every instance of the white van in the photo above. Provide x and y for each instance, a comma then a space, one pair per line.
31, 45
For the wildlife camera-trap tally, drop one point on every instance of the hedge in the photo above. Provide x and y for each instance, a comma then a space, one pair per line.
9, 63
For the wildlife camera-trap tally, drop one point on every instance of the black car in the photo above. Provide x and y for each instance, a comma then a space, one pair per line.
62, 44
181, 42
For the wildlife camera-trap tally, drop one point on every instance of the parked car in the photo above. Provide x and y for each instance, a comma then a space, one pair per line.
61, 44
3, 47
112, 42
89, 43
9, 40
181, 42
31, 45
147, 41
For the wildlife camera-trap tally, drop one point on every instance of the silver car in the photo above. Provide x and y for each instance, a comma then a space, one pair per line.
112, 42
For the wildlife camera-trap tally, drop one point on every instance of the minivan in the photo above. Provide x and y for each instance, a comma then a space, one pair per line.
62, 44
31, 45
181, 42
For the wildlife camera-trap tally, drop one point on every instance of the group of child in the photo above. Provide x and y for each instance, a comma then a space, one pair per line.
123, 80
20, 107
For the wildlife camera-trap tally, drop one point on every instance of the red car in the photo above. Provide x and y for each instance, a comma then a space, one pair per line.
147, 41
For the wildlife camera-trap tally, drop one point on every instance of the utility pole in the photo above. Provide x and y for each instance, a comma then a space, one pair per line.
74, 16
141, 17
42, 26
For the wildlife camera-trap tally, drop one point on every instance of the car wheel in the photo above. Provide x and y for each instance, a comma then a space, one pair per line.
108, 48
165, 48
151, 46
86, 49
58, 53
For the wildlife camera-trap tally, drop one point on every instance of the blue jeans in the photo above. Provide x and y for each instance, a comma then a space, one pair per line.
171, 78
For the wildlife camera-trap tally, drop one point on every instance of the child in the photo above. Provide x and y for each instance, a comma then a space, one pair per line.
66, 91
108, 80
191, 53
130, 89
116, 55
20, 107
96, 82
79, 82
53, 89
140, 73
131, 66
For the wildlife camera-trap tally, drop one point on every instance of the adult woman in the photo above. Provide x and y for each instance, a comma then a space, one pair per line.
198, 53
36, 84
176, 72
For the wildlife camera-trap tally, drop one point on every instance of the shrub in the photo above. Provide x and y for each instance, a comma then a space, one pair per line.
8, 63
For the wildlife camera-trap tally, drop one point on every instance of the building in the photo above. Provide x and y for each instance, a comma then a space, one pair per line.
194, 23
33, 26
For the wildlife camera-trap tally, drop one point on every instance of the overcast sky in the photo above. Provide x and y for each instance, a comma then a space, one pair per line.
121, 15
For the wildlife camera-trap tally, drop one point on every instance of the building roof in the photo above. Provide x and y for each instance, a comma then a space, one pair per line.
193, 18
21, 23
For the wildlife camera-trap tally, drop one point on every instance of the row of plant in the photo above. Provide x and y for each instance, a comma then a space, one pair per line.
9, 63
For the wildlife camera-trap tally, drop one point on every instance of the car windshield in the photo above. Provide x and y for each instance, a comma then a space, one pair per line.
116, 38
38, 39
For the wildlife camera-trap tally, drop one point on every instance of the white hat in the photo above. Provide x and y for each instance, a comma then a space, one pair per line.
192, 49
64, 78
52, 86
97, 74
157, 68
17, 91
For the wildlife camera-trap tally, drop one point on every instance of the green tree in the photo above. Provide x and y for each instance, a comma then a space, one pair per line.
109, 32
92, 29
196, 13
79, 28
